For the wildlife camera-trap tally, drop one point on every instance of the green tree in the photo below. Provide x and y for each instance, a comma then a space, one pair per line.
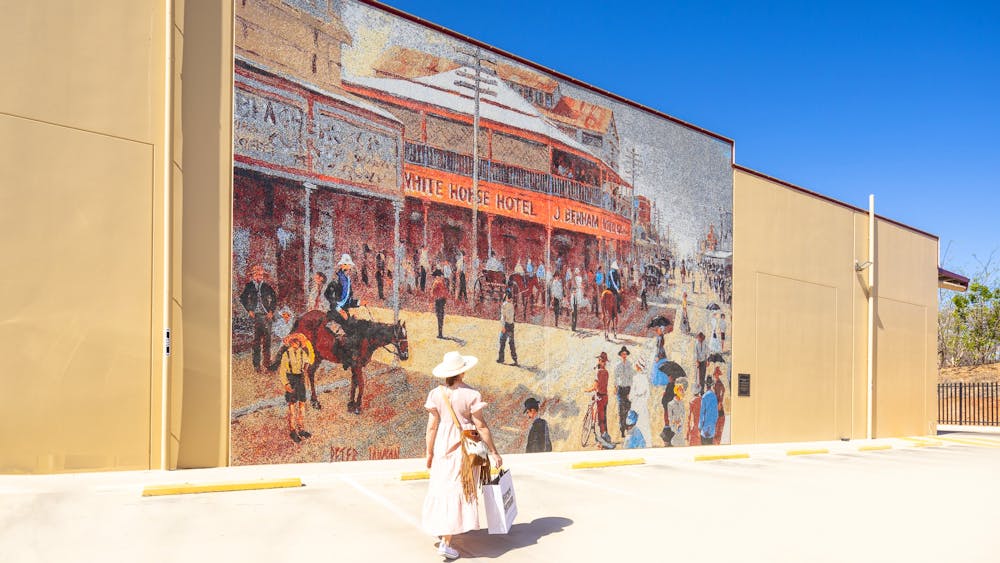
975, 332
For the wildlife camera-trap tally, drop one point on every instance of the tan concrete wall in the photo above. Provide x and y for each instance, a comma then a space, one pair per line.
794, 317
906, 332
202, 289
83, 170
800, 324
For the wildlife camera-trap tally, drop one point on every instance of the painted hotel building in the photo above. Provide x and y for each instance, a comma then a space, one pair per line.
543, 195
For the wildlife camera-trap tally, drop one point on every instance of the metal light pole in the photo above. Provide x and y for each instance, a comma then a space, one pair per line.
477, 80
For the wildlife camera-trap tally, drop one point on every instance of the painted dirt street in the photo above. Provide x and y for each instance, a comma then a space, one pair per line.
393, 184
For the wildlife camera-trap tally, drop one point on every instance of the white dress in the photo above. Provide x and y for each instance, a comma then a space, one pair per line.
446, 511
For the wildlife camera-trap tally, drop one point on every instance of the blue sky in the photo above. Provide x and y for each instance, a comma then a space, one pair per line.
899, 99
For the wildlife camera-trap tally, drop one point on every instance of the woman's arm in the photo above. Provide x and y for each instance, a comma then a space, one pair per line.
433, 419
484, 433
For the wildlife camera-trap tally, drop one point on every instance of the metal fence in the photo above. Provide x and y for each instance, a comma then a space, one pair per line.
971, 404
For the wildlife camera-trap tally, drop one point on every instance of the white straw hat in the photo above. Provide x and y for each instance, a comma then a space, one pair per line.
345, 259
454, 363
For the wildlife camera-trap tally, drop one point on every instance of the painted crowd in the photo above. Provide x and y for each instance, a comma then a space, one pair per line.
598, 298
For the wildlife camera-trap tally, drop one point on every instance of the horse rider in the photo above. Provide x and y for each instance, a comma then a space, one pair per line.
340, 294
614, 281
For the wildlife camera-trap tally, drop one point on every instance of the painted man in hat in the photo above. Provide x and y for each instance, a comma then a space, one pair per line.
614, 281
623, 386
297, 356
340, 294
538, 435
260, 301
507, 327
439, 292
600, 387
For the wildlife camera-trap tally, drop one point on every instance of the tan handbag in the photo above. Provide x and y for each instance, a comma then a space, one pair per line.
474, 454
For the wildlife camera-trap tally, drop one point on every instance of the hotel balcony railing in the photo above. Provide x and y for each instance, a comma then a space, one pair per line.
515, 176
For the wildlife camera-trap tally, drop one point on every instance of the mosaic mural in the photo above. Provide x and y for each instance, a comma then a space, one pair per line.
400, 193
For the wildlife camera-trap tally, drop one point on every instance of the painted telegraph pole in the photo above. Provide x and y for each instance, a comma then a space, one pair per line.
480, 65
634, 162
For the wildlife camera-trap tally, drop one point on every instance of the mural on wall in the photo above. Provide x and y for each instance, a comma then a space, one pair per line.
400, 193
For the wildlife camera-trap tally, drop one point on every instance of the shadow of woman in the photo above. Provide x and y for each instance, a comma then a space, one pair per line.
481, 544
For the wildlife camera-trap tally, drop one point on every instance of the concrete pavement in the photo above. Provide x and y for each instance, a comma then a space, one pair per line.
923, 499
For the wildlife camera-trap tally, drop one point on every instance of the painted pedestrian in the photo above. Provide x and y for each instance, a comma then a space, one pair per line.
556, 290
701, 354
380, 274
460, 266
623, 386
600, 388
598, 288
298, 355
507, 328
720, 394
677, 412
424, 262
576, 298
722, 330
260, 301
692, 430
709, 415
538, 435
633, 436
316, 300
439, 292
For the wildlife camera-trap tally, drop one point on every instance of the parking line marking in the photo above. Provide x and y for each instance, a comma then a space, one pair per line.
609, 463
414, 475
718, 457
386, 503
875, 447
808, 452
191, 488
571, 479
969, 442
922, 442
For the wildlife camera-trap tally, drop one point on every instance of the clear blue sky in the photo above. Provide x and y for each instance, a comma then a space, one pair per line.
899, 99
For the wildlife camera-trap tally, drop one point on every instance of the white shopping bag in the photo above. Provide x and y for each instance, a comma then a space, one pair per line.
501, 504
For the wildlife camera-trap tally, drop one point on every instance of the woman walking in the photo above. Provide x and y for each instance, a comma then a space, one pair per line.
449, 508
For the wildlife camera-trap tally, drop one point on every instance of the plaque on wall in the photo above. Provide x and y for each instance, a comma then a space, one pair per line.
743, 385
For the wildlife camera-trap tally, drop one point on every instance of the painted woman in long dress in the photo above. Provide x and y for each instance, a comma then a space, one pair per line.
448, 510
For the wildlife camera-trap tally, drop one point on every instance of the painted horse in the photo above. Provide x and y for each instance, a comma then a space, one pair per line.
609, 312
353, 353
527, 287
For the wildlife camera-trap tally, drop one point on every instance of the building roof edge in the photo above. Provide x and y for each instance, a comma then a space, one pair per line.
831, 200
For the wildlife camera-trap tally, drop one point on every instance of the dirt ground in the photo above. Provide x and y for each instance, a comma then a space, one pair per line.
556, 366
983, 373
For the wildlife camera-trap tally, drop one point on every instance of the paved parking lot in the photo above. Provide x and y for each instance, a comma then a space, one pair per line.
924, 499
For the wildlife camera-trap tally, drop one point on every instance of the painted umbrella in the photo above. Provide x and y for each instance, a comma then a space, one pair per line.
660, 320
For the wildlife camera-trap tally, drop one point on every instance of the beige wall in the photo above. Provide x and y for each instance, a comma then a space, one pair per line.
203, 236
108, 182
906, 333
83, 171
800, 323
